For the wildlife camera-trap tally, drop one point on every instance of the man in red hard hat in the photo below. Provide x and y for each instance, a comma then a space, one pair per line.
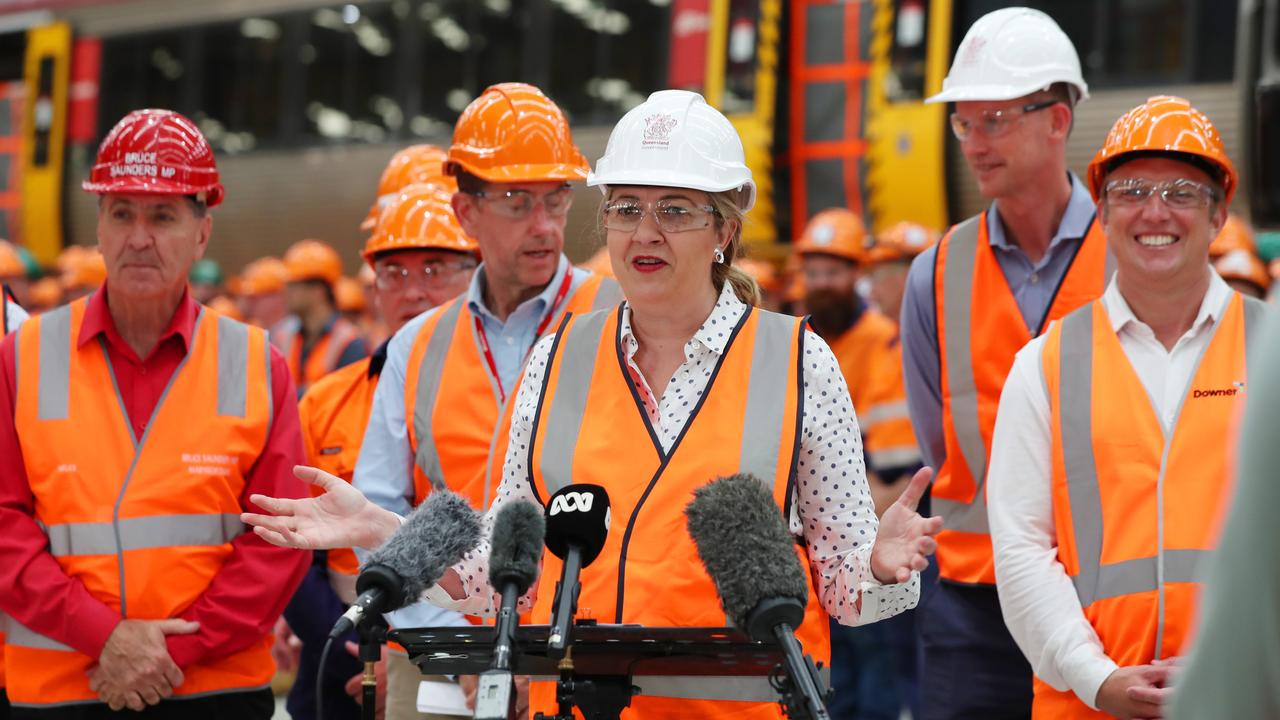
134, 424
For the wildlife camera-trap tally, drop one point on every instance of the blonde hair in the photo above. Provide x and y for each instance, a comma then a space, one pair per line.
728, 209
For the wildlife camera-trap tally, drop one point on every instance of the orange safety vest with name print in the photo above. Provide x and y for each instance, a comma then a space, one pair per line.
453, 404
870, 358
144, 523
334, 413
324, 356
980, 329
1135, 505
589, 428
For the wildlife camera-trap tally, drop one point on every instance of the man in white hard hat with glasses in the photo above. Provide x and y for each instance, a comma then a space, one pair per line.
971, 303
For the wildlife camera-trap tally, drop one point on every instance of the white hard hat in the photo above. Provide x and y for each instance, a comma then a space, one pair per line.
675, 139
1010, 53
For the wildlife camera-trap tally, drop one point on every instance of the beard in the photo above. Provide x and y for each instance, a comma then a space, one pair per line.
833, 311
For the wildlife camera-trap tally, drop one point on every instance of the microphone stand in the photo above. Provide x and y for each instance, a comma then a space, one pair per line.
801, 688
372, 631
566, 604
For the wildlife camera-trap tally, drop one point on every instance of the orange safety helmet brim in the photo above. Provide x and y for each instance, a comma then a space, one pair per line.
87, 270
1243, 265
1235, 235
414, 165
1164, 124
156, 152
834, 231
312, 260
900, 243
420, 217
515, 133
224, 305
262, 277
349, 295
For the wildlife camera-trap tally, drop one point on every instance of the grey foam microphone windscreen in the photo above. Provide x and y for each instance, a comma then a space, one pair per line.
433, 538
516, 545
744, 544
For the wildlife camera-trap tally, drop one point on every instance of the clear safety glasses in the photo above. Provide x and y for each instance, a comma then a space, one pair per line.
994, 123
1178, 194
673, 215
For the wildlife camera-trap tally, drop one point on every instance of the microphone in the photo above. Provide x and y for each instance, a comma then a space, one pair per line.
434, 537
746, 548
577, 527
515, 552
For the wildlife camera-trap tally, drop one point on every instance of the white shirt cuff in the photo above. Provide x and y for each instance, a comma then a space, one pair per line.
1085, 669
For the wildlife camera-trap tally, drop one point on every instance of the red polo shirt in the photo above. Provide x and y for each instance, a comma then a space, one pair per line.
254, 585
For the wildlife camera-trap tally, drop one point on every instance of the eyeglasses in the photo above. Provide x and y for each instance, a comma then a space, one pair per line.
519, 204
994, 123
1177, 194
673, 215
396, 277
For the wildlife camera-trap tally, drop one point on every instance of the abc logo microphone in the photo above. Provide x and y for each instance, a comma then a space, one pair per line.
577, 527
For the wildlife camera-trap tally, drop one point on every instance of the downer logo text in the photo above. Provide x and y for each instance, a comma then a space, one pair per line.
1225, 392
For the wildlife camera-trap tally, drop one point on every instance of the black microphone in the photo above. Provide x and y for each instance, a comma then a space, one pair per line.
514, 554
746, 548
434, 537
577, 526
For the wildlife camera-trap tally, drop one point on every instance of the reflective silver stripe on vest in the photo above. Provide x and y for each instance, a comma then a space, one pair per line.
142, 533
1254, 312
233, 367
957, 284
1075, 402
608, 295
767, 396
578, 351
54, 373
429, 372
713, 687
19, 635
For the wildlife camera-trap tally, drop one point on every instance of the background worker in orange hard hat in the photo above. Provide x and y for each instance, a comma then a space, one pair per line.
414, 165
134, 425
83, 272
992, 283
1110, 459
262, 284
514, 159
832, 253
1245, 273
321, 340
45, 294
889, 255
421, 258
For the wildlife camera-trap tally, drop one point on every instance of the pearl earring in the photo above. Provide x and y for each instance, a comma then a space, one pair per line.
719, 256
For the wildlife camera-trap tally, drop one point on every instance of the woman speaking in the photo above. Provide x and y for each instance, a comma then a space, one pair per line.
686, 381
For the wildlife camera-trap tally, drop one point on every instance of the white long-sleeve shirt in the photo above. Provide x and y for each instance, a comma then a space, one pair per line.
1037, 597
831, 509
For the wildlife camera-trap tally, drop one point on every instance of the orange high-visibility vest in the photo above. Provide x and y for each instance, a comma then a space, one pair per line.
1134, 505
324, 356
145, 523
870, 359
590, 429
980, 329
334, 413
453, 403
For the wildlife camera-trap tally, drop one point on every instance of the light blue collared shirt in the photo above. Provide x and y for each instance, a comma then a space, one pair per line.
1034, 286
384, 468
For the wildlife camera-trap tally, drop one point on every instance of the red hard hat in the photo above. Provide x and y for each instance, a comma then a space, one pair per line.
156, 152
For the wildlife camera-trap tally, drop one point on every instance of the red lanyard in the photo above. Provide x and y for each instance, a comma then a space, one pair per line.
561, 294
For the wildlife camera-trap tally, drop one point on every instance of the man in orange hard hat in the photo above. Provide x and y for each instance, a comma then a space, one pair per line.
437, 416
421, 258
320, 339
134, 426
991, 284
889, 257
262, 284
414, 165
1110, 459
83, 272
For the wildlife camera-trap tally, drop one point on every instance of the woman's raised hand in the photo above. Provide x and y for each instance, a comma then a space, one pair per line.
905, 539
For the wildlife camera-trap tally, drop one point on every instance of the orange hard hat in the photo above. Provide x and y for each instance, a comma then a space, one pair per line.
262, 277
224, 305
835, 231
1235, 235
88, 269
45, 293
1164, 124
1243, 265
599, 263
763, 272
70, 257
11, 265
900, 242
414, 165
418, 218
514, 133
349, 295
312, 260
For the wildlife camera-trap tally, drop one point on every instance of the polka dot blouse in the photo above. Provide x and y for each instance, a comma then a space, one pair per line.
832, 508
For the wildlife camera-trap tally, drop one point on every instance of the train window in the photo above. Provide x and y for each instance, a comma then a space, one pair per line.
740, 57
239, 105
444, 77
604, 58
350, 85
910, 35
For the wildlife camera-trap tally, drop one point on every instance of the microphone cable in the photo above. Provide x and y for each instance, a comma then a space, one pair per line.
324, 660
